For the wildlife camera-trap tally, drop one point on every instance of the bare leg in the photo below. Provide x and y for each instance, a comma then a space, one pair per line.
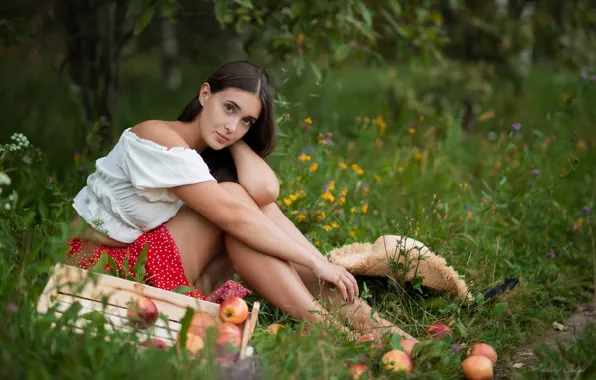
357, 314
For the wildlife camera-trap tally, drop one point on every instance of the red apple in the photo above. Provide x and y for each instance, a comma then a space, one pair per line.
477, 367
274, 328
154, 343
229, 333
439, 330
483, 349
201, 321
407, 346
356, 370
397, 360
233, 310
142, 312
377, 343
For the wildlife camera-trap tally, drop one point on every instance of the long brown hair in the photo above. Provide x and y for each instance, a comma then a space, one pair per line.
261, 137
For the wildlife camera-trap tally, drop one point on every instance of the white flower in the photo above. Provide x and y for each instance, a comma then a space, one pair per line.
7, 206
4, 179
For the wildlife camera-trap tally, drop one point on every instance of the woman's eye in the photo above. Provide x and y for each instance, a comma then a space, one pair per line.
229, 108
247, 122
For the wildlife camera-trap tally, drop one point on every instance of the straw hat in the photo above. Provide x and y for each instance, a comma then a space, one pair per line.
373, 260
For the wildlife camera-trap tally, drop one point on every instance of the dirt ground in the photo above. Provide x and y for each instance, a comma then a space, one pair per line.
573, 329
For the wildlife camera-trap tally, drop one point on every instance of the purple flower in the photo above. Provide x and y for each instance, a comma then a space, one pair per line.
516, 127
455, 347
550, 255
588, 69
593, 78
535, 171
587, 209
584, 75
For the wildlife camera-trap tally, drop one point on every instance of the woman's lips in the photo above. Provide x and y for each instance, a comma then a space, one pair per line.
222, 136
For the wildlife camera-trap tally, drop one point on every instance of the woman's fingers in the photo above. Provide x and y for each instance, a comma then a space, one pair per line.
342, 288
350, 288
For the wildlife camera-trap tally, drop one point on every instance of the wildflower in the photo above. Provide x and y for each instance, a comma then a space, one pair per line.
331, 186
418, 155
578, 223
587, 209
300, 218
400, 169
328, 196
287, 201
497, 165
300, 38
342, 201
364, 207
584, 75
304, 157
365, 191
7, 206
293, 197
411, 131
581, 145
327, 227
329, 134
344, 191
357, 169
469, 214
308, 120
516, 127
334, 224
353, 209
486, 116
352, 234
535, 172
343, 166
300, 193
455, 347
313, 167
320, 215
463, 186
4, 179
378, 178
550, 255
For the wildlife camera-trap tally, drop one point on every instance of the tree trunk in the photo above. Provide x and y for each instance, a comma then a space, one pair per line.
172, 76
95, 32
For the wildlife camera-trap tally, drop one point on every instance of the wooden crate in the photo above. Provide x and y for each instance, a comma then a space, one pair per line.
69, 284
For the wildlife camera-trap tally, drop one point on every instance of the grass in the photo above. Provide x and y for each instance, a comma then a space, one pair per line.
494, 204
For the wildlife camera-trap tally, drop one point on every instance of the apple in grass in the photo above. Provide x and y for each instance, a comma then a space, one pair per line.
477, 367
228, 333
439, 330
407, 345
357, 370
397, 360
201, 321
194, 343
483, 349
233, 310
369, 337
274, 328
142, 312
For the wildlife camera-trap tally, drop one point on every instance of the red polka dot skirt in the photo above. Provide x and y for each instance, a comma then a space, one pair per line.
163, 267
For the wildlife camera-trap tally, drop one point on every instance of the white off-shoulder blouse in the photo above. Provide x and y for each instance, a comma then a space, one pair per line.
129, 192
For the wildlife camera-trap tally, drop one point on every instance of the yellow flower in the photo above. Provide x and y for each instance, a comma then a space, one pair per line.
463, 186
300, 193
334, 224
327, 195
342, 201
301, 218
320, 215
331, 186
353, 209
378, 178
486, 115
411, 131
308, 120
364, 208
318, 243
342, 166
469, 214
581, 145
300, 38
327, 227
287, 201
304, 157
344, 191
365, 191
418, 155
352, 234
293, 197
400, 169
313, 167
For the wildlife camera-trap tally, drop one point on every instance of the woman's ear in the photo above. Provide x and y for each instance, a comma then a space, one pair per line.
204, 93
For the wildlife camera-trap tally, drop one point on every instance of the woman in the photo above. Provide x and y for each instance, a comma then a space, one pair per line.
198, 192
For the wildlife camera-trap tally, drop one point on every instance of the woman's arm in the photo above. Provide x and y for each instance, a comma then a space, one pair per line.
254, 174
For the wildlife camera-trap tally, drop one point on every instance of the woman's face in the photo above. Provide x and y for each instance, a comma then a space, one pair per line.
227, 116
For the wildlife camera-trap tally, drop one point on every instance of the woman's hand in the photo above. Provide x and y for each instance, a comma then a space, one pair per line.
338, 276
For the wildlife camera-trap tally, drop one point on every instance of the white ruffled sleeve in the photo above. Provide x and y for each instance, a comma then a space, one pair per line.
153, 168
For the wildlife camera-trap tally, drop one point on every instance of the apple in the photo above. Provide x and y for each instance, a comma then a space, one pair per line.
483, 349
477, 367
439, 330
194, 343
407, 345
154, 343
356, 370
201, 321
274, 328
229, 333
233, 310
370, 338
142, 312
397, 360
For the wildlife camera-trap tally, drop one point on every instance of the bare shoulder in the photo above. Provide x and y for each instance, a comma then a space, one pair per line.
159, 132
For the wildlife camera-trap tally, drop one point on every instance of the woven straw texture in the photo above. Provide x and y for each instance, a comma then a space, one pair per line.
373, 260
